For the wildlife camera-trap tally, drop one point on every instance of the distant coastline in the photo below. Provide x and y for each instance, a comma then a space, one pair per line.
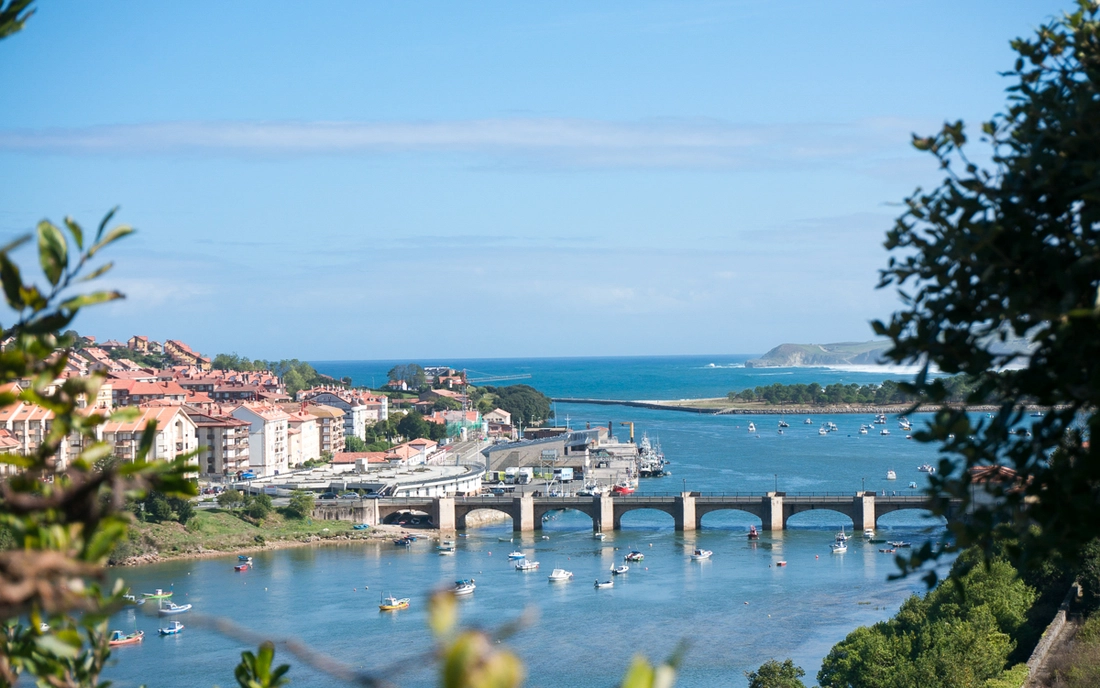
722, 406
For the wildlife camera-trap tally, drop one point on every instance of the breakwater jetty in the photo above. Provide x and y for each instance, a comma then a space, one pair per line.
716, 408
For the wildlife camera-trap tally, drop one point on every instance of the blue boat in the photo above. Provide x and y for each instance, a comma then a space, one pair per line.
174, 628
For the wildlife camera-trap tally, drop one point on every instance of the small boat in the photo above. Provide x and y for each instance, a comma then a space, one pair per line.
822, 431
808, 421
392, 604
887, 550
504, 539
120, 638
912, 485
839, 548
880, 419
174, 628
599, 536
877, 541
464, 586
173, 608
560, 575
604, 584
890, 475
863, 429
527, 565
243, 557
754, 534
752, 426
900, 543
619, 570
516, 555
842, 536
884, 431
781, 563
634, 555
868, 533
360, 526
701, 554
241, 567
445, 550
158, 595
402, 541
926, 468
623, 488
784, 424
130, 599
832, 427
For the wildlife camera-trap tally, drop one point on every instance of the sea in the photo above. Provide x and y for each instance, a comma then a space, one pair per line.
731, 613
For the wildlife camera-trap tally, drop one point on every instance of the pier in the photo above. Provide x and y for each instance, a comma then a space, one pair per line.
687, 509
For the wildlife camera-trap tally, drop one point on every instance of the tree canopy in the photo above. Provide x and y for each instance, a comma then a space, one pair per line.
410, 373
527, 405
1012, 251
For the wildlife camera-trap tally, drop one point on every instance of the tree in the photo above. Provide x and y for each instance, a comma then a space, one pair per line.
773, 674
410, 373
230, 499
301, 504
352, 443
413, 426
527, 405
258, 506
998, 271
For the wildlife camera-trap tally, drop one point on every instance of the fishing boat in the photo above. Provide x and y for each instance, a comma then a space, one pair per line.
842, 536
623, 488
863, 429
869, 533
784, 424
392, 604
599, 536
158, 595
754, 534
560, 575
464, 586
832, 427
904, 424
446, 547
880, 419
527, 565
926, 468
634, 555
604, 584
891, 475
243, 557
752, 426
174, 628
839, 548
119, 638
516, 555
701, 554
808, 421
130, 599
884, 431
242, 567
173, 608
822, 430
619, 570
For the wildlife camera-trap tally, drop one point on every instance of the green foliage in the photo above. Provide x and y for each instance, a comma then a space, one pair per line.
773, 674
13, 14
255, 670
1010, 678
413, 426
234, 361
1090, 575
447, 404
354, 444
890, 392
959, 635
230, 499
258, 506
1006, 253
411, 373
527, 405
301, 504
296, 375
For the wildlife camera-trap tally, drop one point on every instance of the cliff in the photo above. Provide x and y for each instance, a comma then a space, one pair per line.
843, 353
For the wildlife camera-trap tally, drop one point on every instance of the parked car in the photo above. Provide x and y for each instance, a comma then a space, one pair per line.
328, 495
350, 495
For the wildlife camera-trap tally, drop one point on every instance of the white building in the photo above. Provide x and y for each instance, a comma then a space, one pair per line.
268, 450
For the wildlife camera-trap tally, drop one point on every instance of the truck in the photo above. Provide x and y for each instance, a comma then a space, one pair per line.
563, 474
525, 475
510, 475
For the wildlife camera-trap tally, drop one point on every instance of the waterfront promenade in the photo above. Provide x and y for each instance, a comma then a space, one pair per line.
687, 509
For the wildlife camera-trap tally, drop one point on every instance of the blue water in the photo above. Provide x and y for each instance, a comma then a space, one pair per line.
583, 636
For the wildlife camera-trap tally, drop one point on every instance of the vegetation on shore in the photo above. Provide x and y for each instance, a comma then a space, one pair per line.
890, 392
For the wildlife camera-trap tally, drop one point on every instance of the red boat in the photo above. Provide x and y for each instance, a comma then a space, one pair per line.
241, 567
754, 534
622, 488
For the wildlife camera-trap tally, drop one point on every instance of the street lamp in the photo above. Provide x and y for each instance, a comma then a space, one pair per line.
776, 481
685, 484
864, 481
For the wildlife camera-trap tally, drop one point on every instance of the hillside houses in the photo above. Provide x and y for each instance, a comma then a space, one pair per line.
360, 408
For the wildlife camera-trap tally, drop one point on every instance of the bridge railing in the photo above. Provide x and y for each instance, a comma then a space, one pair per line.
634, 497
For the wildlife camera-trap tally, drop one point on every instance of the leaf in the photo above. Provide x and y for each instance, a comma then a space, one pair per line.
112, 236
97, 272
97, 297
148, 436
76, 231
53, 252
9, 275
104, 221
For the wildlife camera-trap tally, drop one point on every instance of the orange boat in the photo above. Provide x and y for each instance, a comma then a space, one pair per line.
780, 563
623, 488
118, 638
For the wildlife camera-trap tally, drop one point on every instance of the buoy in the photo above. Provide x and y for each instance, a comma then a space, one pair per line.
746, 603
816, 556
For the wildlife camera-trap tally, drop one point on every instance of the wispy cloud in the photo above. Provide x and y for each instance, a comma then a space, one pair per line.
663, 143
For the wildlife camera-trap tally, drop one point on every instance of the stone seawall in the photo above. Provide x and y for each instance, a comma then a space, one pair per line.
793, 410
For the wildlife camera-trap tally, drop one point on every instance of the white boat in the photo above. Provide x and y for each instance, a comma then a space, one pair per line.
884, 431
842, 536
784, 424
619, 570
700, 554
808, 421
173, 608
560, 575
604, 584
517, 555
863, 429
504, 539
868, 533
839, 548
890, 475
880, 419
445, 550
926, 468
822, 431
527, 565
832, 427
599, 536
752, 427
464, 586
912, 484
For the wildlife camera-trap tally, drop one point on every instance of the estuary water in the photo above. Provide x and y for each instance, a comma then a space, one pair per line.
735, 611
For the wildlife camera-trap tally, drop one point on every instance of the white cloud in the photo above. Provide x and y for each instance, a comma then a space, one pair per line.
659, 143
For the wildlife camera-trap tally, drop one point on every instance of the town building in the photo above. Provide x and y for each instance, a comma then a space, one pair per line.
267, 437
223, 440
176, 434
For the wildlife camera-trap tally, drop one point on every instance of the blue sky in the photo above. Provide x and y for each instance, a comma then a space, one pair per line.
344, 180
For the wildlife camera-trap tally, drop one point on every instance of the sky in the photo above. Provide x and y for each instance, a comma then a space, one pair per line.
354, 180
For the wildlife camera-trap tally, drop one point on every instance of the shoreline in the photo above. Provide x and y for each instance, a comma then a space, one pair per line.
714, 407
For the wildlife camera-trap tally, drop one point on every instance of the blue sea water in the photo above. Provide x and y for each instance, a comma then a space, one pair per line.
735, 611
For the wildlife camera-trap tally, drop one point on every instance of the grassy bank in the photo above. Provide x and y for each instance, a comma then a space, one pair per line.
212, 531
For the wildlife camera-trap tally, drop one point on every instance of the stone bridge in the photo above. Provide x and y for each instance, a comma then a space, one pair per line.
687, 509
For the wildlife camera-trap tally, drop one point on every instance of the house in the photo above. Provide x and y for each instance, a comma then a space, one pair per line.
376, 459
223, 442
181, 353
27, 425
143, 392
360, 409
138, 343
306, 443
499, 416
176, 434
267, 437
8, 445
436, 394
330, 428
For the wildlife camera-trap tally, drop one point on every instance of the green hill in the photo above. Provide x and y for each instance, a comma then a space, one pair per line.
842, 353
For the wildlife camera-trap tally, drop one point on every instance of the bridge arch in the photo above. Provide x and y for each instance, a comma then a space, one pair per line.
904, 516
548, 517
819, 517
622, 510
736, 517
463, 520
422, 516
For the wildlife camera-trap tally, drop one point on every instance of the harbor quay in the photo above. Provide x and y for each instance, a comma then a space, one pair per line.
687, 509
